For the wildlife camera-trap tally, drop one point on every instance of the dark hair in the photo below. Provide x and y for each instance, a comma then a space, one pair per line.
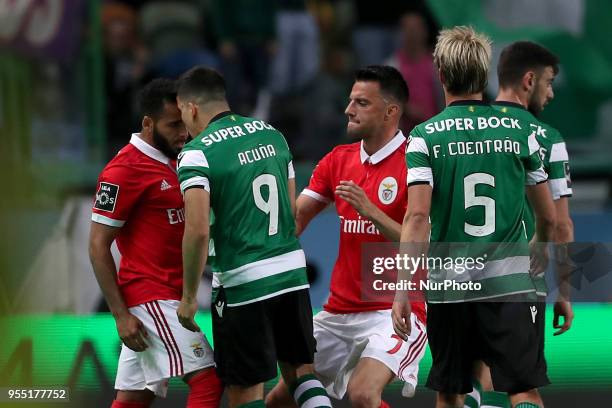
202, 83
390, 80
521, 57
155, 94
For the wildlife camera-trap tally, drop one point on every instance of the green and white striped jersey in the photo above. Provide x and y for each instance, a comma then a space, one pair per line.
553, 153
478, 161
245, 164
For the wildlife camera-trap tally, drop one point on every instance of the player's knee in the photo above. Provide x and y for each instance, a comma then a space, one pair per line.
363, 395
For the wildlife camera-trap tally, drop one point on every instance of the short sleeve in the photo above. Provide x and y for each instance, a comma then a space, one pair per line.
557, 167
118, 191
534, 168
290, 170
418, 162
193, 170
320, 185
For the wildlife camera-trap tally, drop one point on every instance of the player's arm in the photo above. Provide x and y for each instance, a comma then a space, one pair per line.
316, 196
558, 168
291, 189
414, 237
195, 252
564, 231
291, 186
564, 234
543, 207
415, 227
357, 198
130, 328
306, 208
538, 194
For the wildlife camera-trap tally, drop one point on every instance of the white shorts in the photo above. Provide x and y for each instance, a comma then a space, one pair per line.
343, 339
173, 350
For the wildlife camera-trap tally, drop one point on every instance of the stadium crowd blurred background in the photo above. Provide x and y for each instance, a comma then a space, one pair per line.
70, 70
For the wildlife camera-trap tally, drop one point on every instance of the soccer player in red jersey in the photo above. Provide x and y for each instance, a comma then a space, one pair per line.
139, 204
357, 349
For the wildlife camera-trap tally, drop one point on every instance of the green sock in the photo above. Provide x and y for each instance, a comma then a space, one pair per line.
472, 400
253, 404
527, 405
494, 399
308, 392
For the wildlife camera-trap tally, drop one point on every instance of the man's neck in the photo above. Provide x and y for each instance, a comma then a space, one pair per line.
374, 143
147, 137
207, 113
468, 97
509, 95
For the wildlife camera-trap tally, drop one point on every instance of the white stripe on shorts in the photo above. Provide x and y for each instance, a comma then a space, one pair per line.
415, 349
162, 338
173, 342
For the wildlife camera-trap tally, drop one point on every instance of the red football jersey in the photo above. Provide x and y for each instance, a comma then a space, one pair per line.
138, 191
383, 178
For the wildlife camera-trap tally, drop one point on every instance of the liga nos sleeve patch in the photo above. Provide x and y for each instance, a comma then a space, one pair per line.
106, 197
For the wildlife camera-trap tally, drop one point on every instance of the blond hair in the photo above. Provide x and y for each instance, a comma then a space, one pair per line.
463, 56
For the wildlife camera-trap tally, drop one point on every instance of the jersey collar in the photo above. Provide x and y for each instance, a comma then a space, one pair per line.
147, 149
468, 102
511, 104
385, 151
220, 116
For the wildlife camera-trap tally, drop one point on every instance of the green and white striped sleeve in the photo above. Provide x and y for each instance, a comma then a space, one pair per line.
557, 167
534, 169
417, 161
193, 170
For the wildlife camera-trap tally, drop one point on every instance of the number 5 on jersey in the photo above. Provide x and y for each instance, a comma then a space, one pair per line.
471, 199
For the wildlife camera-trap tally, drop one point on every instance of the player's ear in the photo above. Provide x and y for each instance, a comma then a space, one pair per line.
193, 108
147, 124
392, 110
529, 80
441, 78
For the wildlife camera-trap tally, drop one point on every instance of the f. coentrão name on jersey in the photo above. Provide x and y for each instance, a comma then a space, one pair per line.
232, 132
479, 147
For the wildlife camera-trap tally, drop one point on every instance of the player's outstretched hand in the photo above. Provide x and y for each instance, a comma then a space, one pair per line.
355, 196
186, 312
132, 332
401, 318
562, 308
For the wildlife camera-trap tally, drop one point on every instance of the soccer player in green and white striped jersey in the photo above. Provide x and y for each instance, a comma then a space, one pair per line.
240, 168
526, 72
468, 171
